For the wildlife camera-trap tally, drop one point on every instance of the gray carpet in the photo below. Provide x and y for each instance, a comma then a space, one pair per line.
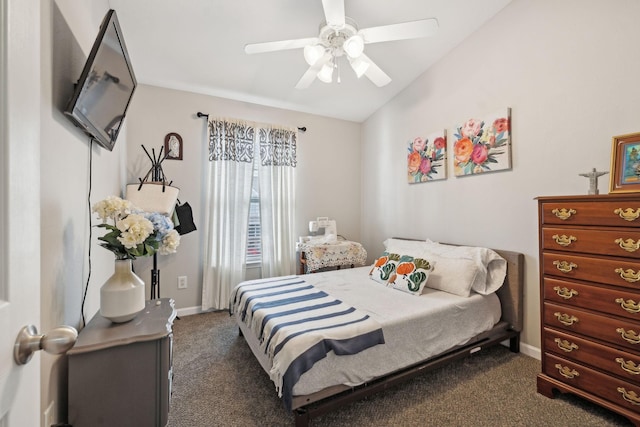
217, 382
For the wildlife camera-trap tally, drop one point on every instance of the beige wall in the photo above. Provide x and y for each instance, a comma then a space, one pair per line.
68, 30
327, 172
569, 71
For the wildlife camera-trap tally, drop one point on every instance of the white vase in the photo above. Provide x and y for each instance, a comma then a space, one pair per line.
122, 295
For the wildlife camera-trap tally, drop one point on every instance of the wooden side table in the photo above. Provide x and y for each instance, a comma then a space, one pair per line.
120, 373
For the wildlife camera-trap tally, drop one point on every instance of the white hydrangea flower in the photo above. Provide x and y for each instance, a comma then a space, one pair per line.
113, 208
134, 230
170, 243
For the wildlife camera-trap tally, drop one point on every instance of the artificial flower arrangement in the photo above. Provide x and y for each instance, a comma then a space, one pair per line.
133, 232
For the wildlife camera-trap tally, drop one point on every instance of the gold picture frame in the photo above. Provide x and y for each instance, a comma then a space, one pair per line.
625, 164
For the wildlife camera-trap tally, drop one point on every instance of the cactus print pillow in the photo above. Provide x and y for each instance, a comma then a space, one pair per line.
410, 275
384, 267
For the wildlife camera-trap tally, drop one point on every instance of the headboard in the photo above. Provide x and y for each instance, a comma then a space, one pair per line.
511, 294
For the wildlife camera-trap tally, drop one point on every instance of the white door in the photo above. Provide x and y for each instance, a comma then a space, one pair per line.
19, 206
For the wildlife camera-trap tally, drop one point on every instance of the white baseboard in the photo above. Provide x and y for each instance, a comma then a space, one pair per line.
188, 311
530, 351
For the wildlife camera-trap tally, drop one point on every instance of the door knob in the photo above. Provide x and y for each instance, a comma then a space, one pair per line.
57, 341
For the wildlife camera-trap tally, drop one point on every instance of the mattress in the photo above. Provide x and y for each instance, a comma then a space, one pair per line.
415, 328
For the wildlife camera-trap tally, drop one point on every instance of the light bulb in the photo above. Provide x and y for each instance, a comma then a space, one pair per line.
312, 53
354, 46
326, 73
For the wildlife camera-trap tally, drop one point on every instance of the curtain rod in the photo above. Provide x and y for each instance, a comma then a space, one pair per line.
200, 114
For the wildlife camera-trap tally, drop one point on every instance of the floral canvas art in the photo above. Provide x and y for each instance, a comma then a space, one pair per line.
427, 158
483, 145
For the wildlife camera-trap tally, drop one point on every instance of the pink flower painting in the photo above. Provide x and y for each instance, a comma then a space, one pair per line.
483, 145
427, 158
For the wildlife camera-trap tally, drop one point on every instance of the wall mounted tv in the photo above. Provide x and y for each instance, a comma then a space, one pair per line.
103, 92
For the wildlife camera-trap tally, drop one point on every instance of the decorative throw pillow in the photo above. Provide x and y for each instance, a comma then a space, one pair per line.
384, 267
411, 275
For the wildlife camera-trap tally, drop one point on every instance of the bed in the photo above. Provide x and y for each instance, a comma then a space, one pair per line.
405, 333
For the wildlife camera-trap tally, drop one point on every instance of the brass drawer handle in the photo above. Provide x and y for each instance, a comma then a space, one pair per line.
627, 214
629, 396
565, 266
628, 245
564, 240
565, 292
563, 213
628, 365
566, 319
566, 371
566, 345
629, 305
629, 275
629, 336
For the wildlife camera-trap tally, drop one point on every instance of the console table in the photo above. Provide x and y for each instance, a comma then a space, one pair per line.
120, 373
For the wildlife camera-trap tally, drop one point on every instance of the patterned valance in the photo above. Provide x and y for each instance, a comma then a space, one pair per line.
234, 140
277, 147
231, 140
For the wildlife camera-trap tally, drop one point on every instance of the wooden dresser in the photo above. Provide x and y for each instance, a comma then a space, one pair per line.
590, 299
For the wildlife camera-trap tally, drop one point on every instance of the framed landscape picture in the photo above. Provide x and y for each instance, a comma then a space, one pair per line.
625, 164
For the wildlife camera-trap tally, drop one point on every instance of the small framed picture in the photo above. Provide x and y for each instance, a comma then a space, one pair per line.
173, 146
625, 164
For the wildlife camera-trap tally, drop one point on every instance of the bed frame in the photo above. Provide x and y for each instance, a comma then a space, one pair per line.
511, 299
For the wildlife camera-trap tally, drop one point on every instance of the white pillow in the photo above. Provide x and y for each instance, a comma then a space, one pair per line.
454, 275
492, 267
414, 248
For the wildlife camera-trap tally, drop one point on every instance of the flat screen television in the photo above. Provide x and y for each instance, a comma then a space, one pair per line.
103, 92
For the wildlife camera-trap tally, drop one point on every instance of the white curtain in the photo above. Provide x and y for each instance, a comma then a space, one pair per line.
276, 179
227, 193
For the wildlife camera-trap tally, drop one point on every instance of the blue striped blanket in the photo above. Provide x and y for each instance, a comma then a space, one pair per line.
298, 325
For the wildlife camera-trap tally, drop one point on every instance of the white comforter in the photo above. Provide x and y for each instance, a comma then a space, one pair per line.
415, 327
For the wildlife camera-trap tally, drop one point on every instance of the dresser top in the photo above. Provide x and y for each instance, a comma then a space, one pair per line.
152, 323
592, 197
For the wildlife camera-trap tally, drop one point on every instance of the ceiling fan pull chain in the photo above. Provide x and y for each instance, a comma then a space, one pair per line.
338, 70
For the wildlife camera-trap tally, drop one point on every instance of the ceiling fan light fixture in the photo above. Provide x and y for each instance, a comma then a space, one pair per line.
312, 53
354, 46
326, 73
359, 66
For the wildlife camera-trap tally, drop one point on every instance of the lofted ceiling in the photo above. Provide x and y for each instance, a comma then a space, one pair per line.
198, 46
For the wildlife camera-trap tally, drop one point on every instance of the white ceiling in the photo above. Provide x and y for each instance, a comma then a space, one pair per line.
198, 46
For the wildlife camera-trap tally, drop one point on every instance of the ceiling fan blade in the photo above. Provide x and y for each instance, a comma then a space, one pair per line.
279, 45
334, 13
374, 73
402, 31
309, 76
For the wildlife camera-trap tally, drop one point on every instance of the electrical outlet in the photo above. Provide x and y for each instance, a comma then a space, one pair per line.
182, 282
49, 415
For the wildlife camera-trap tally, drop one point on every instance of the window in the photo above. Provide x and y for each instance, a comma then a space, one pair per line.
254, 233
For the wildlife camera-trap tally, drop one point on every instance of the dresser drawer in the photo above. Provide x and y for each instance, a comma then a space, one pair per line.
610, 271
621, 363
622, 213
621, 332
617, 391
622, 242
606, 300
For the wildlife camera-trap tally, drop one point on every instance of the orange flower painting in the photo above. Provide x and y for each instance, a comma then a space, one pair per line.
427, 158
483, 145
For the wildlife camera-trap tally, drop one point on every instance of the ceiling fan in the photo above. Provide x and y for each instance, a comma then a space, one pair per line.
340, 36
